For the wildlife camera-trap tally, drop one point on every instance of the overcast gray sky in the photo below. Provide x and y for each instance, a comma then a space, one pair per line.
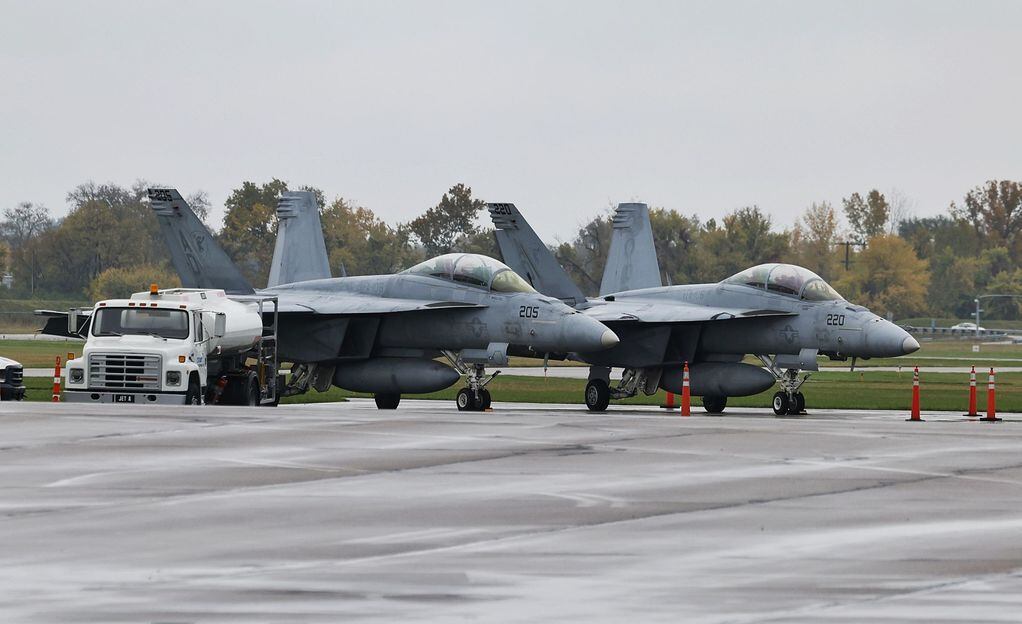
560, 107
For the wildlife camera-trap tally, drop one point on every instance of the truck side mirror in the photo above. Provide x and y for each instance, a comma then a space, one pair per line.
72, 321
220, 325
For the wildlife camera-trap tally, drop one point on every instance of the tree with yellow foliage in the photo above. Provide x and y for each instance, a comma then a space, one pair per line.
120, 282
887, 277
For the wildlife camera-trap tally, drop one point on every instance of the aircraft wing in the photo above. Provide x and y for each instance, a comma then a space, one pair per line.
56, 323
640, 311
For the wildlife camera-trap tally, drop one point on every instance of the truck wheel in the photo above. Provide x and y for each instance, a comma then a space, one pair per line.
387, 401
194, 394
597, 395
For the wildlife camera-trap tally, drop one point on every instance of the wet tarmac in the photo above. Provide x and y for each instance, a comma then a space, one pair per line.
342, 513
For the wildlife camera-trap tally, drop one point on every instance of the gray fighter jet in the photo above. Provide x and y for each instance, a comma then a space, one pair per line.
785, 315
382, 334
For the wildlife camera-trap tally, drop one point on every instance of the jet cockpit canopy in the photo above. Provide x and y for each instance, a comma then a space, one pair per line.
473, 269
786, 279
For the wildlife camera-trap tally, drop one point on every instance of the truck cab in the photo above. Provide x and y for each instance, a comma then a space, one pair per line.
171, 346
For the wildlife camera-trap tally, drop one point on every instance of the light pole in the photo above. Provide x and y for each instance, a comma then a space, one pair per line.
976, 301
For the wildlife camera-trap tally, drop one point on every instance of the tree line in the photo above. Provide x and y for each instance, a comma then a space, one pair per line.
869, 245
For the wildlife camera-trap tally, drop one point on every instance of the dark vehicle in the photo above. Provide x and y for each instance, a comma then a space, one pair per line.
12, 375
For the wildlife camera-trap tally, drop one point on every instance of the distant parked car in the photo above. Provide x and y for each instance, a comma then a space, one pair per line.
12, 375
967, 327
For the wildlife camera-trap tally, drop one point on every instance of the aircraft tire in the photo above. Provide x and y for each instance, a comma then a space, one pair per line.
714, 404
799, 405
466, 400
281, 384
485, 400
597, 395
387, 401
780, 403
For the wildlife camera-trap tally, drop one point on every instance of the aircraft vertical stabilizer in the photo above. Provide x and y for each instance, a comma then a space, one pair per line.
631, 262
300, 253
196, 257
526, 254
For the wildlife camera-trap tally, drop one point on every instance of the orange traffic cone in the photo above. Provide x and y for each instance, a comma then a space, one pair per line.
915, 397
991, 396
686, 398
56, 382
972, 395
669, 403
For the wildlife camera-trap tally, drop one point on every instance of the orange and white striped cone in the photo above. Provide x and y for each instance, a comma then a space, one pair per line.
916, 415
686, 397
972, 395
56, 381
991, 398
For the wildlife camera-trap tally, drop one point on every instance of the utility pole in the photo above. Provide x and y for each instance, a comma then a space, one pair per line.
848, 251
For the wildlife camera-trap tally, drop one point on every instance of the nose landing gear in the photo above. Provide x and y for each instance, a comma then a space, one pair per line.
475, 397
788, 401
599, 392
472, 363
789, 404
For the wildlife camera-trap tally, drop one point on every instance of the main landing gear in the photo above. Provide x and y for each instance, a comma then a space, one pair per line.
387, 401
597, 395
318, 376
599, 391
714, 404
788, 401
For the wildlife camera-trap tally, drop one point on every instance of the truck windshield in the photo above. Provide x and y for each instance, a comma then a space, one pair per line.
141, 322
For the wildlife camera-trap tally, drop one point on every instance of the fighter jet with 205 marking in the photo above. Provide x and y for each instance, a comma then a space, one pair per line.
382, 334
784, 314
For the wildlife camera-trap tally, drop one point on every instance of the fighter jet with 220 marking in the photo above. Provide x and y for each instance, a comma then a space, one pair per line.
784, 314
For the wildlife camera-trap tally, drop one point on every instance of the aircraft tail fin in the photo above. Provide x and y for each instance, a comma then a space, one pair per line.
631, 262
300, 252
196, 257
526, 254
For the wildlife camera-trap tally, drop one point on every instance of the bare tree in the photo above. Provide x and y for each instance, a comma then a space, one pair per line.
23, 223
900, 208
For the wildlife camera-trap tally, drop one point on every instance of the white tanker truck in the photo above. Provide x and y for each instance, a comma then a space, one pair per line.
177, 346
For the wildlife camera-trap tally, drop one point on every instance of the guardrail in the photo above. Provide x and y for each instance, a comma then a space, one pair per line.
955, 333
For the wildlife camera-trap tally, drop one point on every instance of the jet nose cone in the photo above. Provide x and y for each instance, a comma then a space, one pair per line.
885, 339
609, 339
585, 335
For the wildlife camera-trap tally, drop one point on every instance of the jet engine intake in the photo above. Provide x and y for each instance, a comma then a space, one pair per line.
718, 379
391, 375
